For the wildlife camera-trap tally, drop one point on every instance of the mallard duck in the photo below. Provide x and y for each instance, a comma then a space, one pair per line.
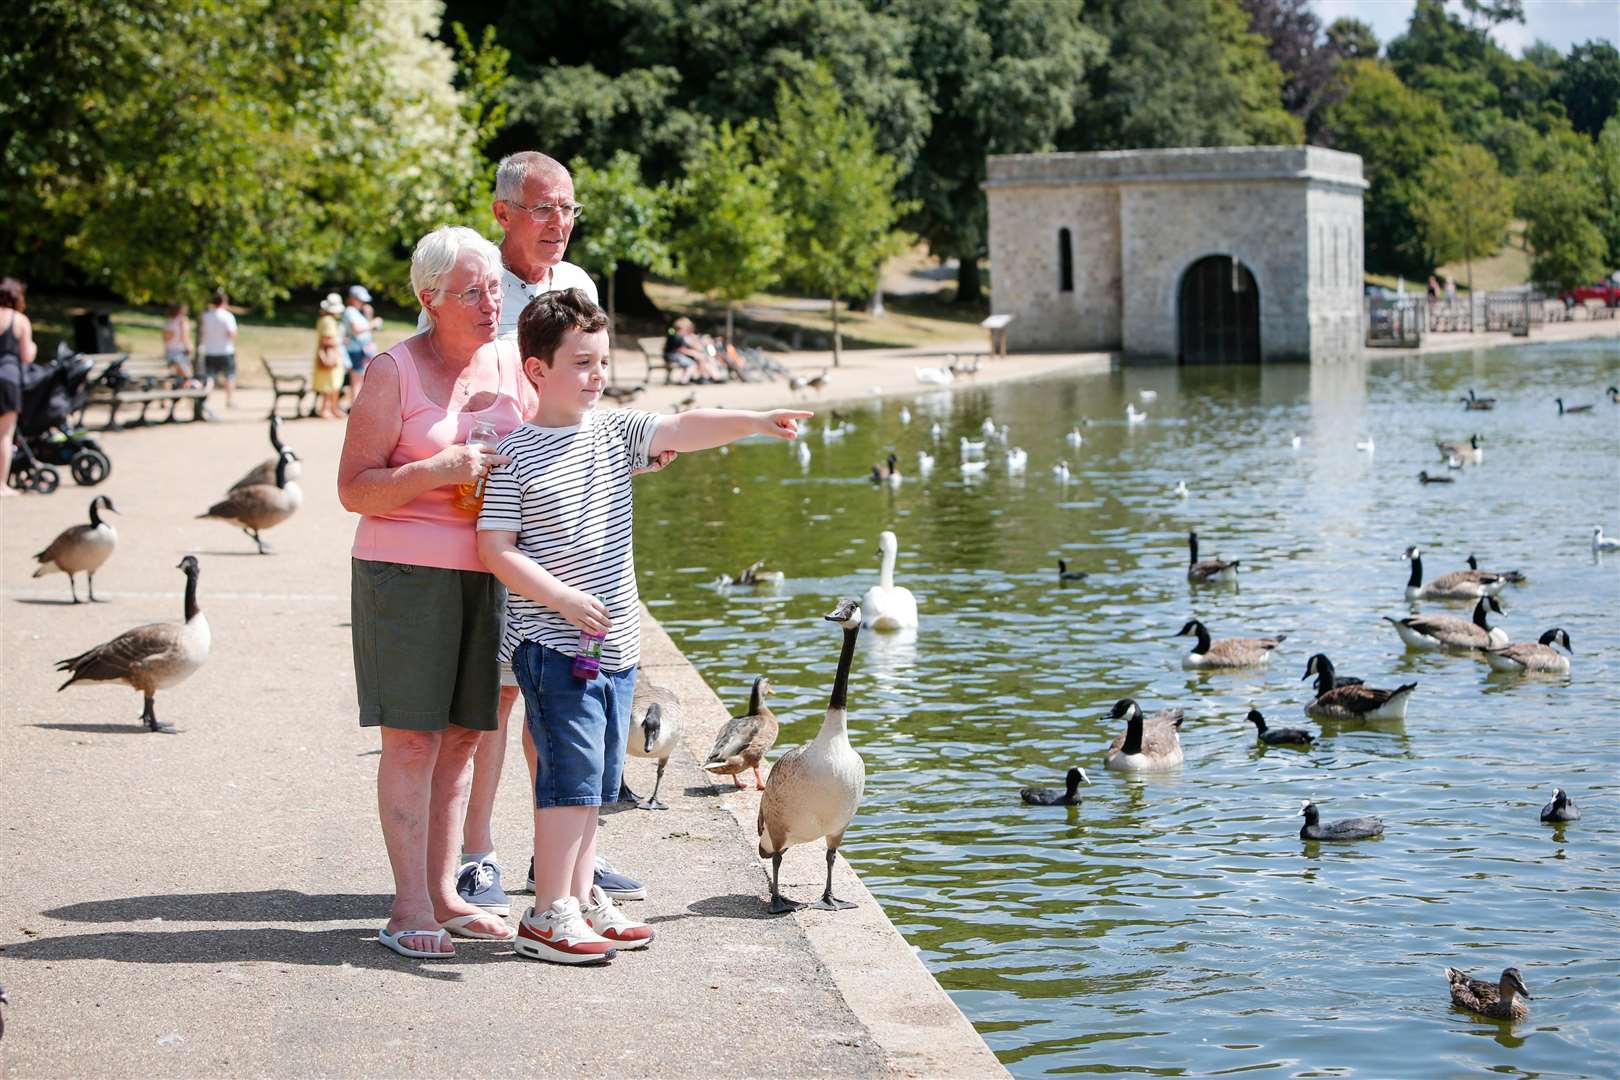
1457, 585
81, 549
260, 506
1287, 736
889, 606
265, 471
1207, 570
1065, 574
1069, 796
151, 657
1450, 632
1356, 828
1425, 478
1570, 409
743, 741
815, 788
655, 732
1561, 807
1533, 656
1512, 577
1355, 701
1469, 451
1499, 1001
1146, 743
1225, 652
1601, 542
1472, 403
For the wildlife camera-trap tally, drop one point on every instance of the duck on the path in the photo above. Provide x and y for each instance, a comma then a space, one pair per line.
1356, 828
151, 657
1502, 1000
1354, 702
815, 788
655, 732
1533, 656
1147, 743
742, 742
1560, 807
1457, 585
260, 506
1203, 571
265, 471
1225, 652
81, 549
1450, 632
1068, 796
1287, 736
888, 606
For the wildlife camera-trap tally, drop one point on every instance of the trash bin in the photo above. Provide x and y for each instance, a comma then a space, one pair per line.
93, 332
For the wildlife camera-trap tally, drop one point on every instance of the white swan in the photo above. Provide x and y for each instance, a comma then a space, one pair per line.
988, 427
974, 468
936, 431
905, 415
1181, 489
935, 376
925, 461
969, 447
1060, 472
1134, 417
888, 606
1074, 437
1017, 460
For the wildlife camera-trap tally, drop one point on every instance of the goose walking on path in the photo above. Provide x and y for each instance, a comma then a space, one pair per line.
1498, 1001
1457, 585
265, 471
260, 506
1147, 743
742, 743
1287, 736
889, 606
1355, 701
1204, 571
655, 732
1069, 795
816, 788
1225, 652
1560, 807
1450, 632
81, 549
1356, 828
1532, 656
151, 657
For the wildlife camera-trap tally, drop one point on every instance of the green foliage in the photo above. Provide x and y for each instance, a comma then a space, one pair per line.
1589, 85
1607, 212
1352, 39
626, 221
1556, 201
1463, 205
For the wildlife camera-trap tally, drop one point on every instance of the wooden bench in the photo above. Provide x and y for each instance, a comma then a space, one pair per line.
652, 349
144, 381
290, 377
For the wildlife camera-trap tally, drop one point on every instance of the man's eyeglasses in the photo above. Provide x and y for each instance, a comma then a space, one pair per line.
551, 211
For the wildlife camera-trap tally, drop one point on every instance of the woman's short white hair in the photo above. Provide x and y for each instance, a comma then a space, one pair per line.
438, 252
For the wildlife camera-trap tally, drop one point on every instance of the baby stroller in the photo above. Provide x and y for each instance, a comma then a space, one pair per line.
51, 393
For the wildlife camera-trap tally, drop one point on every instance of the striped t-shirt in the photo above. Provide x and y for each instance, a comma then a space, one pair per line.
566, 493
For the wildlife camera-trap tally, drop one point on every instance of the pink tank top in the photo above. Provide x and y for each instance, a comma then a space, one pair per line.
428, 531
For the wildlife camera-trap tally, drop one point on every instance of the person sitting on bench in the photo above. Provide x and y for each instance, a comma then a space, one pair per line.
685, 349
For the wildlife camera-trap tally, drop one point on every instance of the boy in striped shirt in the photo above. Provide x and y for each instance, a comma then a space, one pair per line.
556, 530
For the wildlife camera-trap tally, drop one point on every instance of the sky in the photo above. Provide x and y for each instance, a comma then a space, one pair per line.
1560, 22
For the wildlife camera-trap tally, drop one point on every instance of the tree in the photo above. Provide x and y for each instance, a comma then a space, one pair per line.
1309, 63
1589, 85
1352, 39
1463, 205
626, 221
1607, 213
1567, 248
731, 237
837, 190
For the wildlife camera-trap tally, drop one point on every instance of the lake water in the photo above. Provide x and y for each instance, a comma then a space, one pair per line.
1177, 924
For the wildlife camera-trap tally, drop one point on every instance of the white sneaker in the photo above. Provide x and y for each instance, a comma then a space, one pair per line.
604, 917
561, 935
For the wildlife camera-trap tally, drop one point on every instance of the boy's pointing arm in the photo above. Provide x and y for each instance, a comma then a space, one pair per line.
703, 429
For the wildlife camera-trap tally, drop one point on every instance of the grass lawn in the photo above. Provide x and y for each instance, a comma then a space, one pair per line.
1508, 268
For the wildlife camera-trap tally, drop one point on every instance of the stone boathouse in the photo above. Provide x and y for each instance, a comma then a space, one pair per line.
1221, 254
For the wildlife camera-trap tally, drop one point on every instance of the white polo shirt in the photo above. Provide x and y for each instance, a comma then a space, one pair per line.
516, 294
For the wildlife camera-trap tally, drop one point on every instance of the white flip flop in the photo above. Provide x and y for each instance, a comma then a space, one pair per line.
458, 927
396, 942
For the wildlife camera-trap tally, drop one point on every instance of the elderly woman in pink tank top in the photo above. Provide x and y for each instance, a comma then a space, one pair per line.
426, 615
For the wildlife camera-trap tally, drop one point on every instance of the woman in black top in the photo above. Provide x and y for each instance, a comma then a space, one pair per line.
16, 349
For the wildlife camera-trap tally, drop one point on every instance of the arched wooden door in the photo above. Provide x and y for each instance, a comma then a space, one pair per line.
1219, 309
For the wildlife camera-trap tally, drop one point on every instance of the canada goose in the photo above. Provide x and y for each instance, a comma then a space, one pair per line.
1069, 796
1570, 409
151, 657
265, 471
889, 606
655, 732
753, 575
1457, 585
1469, 451
1074, 438
1450, 632
1065, 574
1146, 743
1499, 1001
1532, 656
968, 446
1132, 416
1207, 570
935, 376
1602, 543
887, 472
1425, 478
904, 415
81, 549
1326, 678
1356, 701
1561, 808
963, 365
1477, 404
260, 506
1060, 472
1017, 460
816, 787
1225, 652
743, 741
1512, 577
817, 382
687, 402
1286, 736
622, 394
1613, 393
1356, 828
925, 461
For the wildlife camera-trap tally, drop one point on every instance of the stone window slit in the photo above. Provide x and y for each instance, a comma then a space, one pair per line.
1065, 261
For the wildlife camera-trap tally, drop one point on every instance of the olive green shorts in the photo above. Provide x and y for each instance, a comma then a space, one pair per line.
425, 640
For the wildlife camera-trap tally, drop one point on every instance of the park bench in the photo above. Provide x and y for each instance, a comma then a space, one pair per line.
289, 377
127, 381
652, 350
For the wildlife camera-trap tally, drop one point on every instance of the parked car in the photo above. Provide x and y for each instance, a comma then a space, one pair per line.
1606, 291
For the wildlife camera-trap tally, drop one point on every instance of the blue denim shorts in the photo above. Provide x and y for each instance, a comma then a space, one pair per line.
579, 727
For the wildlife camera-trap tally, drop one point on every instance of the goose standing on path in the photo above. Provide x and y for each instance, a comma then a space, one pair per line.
1532, 656
742, 742
1512, 577
1356, 828
1204, 571
1601, 542
81, 549
1069, 796
1560, 808
265, 471
1225, 652
1450, 632
815, 788
1569, 410
655, 732
1286, 736
151, 657
1470, 451
1457, 585
1498, 1001
1353, 701
889, 606
1147, 743
260, 506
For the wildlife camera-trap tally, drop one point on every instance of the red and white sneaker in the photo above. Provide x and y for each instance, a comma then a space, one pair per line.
606, 919
560, 934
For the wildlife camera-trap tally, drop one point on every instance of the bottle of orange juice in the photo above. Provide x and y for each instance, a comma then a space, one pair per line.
469, 498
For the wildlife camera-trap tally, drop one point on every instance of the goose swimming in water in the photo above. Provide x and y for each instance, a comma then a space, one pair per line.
1498, 1001
1512, 577
1536, 656
887, 472
1286, 736
1207, 570
1225, 652
1326, 678
1450, 632
742, 742
1425, 478
1457, 585
1477, 404
81, 549
1355, 701
1069, 796
1356, 828
1469, 451
888, 606
1065, 574
753, 576
1564, 410
1147, 743
816, 788
1560, 808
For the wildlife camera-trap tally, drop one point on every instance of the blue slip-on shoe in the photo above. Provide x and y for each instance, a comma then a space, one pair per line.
617, 885
479, 883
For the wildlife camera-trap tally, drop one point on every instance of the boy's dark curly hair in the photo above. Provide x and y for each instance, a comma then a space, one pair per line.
551, 315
